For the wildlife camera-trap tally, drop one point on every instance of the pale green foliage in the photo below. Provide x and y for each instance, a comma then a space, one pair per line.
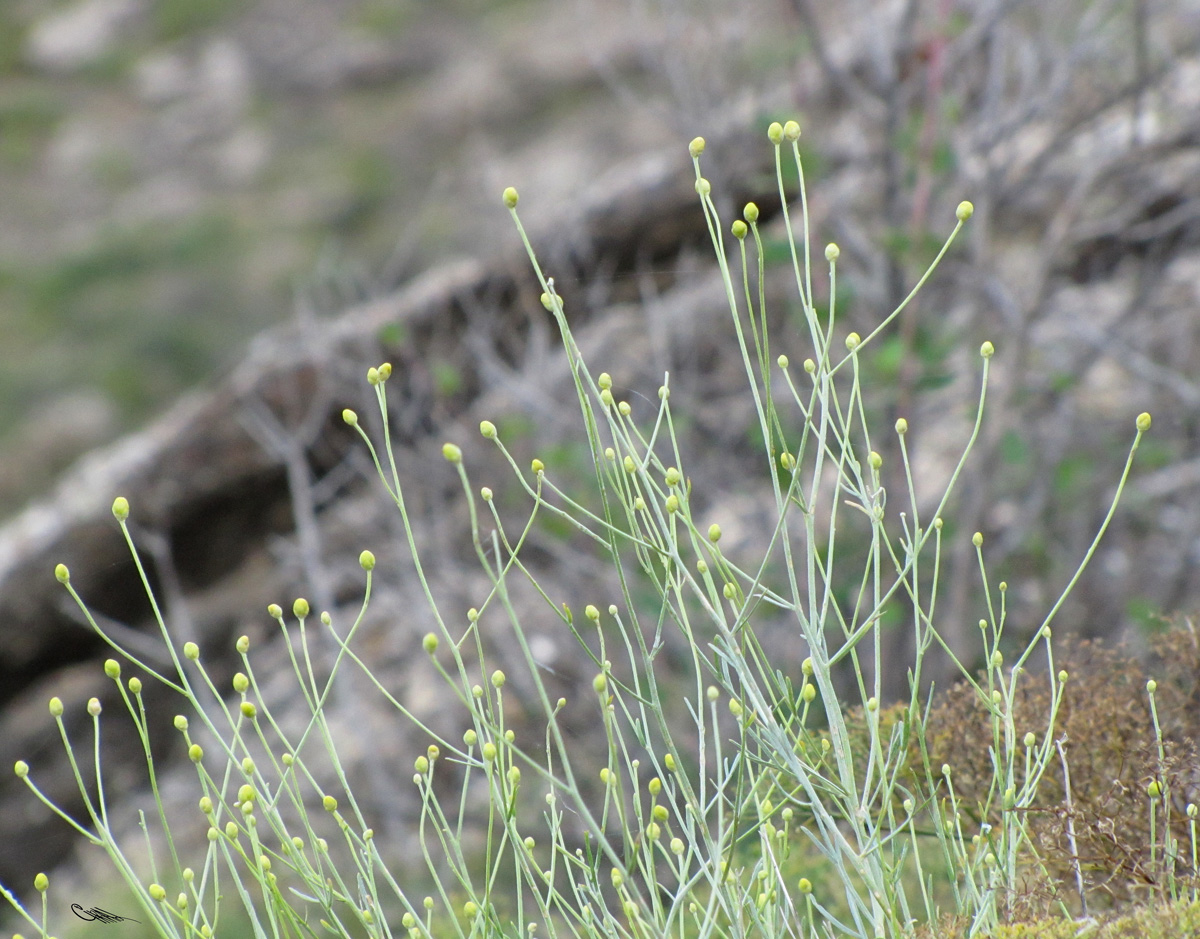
694, 830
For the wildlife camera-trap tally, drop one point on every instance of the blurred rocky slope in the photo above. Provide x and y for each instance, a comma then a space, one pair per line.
1073, 128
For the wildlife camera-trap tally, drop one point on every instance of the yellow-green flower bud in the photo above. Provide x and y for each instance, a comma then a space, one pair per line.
156, 892
600, 683
673, 476
832, 252
1143, 421
738, 229
191, 651
782, 362
696, 147
366, 560
452, 452
470, 909
514, 776
606, 398
677, 846
430, 643
874, 460
901, 427
21, 768
977, 539
510, 197
987, 350
750, 213
537, 466
714, 533
669, 762
497, 679
808, 693
1151, 686
735, 707
249, 711
242, 645
195, 753
61, 574
853, 341
41, 883
350, 417
804, 886
489, 752
240, 683
1030, 740
654, 786
300, 608
421, 765
703, 186
135, 685
807, 666
672, 504
56, 707
592, 613
93, 707
964, 211
488, 430
120, 508
712, 692
1154, 790
274, 610
470, 738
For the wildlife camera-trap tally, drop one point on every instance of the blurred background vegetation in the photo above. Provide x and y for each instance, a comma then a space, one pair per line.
177, 175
